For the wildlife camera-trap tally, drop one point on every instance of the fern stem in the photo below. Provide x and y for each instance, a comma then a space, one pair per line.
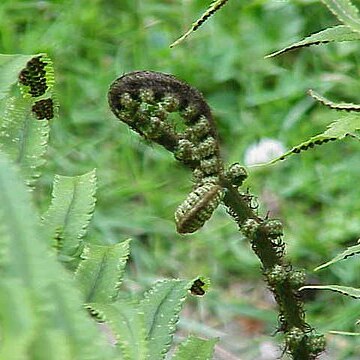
143, 100
299, 335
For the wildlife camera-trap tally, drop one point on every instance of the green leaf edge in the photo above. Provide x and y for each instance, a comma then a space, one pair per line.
322, 37
208, 345
332, 133
211, 10
350, 251
346, 12
344, 290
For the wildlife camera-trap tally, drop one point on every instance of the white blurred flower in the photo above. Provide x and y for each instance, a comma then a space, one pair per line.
263, 151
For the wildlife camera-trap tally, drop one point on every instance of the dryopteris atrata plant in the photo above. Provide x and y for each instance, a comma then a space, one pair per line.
144, 100
45, 307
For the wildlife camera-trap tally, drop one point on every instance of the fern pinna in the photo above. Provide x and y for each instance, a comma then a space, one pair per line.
143, 100
43, 301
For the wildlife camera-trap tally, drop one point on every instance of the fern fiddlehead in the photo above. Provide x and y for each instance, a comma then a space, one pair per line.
144, 100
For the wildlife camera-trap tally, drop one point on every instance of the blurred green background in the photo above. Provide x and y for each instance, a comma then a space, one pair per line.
315, 194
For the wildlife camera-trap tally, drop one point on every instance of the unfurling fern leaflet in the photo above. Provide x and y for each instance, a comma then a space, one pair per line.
144, 100
197, 208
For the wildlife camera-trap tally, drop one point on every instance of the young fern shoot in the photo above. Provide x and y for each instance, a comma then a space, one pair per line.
143, 100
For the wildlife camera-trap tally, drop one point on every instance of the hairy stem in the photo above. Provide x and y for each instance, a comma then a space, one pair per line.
278, 274
143, 100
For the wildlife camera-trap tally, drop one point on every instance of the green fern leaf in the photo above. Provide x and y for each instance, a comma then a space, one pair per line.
344, 290
10, 67
19, 322
333, 105
69, 214
346, 12
23, 131
211, 10
54, 301
161, 307
350, 251
23, 138
127, 323
336, 33
194, 348
337, 130
100, 273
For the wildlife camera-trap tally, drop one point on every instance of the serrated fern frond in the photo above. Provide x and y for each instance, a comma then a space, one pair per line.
127, 324
333, 105
350, 251
347, 125
211, 10
18, 321
23, 138
52, 315
69, 214
346, 12
195, 348
333, 34
100, 272
161, 307
23, 131
10, 68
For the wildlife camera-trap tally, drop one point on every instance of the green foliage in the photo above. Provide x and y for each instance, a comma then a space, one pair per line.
69, 214
344, 290
344, 333
161, 306
336, 106
101, 270
47, 319
346, 12
10, 67
42, 307
333, 34
347, 125
192, 347
23, 138
144, 329
211, 10
350, 251
127, 323
24, 127
252, 99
